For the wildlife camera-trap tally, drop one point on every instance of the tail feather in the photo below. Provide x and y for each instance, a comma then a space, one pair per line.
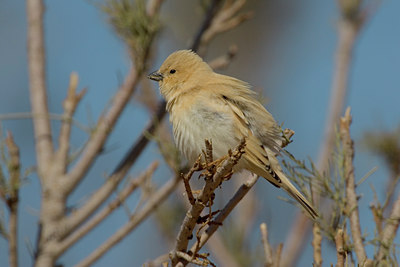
268, 167
291, 190
262, 161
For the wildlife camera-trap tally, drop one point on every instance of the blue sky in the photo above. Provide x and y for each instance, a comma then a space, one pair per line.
287, 49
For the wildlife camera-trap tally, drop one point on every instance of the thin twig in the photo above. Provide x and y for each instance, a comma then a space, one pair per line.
351, 196
192, 215
340, 252
154, 201
186, 179
348, 31
220, 252
269, 262
37, 85
226, 19
99, 137
278, 255
69, 105
223, 214
106, 211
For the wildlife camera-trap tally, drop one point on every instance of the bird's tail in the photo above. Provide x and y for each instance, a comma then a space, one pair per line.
292, 190
262, 161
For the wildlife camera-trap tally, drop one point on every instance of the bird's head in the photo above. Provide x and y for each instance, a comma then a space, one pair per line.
181, 71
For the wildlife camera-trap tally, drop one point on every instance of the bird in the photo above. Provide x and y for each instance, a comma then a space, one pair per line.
203, 104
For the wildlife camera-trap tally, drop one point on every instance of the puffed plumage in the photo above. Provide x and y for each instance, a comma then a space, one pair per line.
206, 105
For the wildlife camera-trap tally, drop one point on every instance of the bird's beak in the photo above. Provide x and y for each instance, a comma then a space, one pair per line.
156, 76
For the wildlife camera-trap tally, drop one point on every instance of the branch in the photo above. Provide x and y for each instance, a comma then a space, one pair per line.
37, 86
316, 243
340, 252
99, 137
13, 199
69, 105
349, 25
351, 196
212, 181
224, 60
76, 217
226, 19
269, 262
240, 193
389, 231
154, 201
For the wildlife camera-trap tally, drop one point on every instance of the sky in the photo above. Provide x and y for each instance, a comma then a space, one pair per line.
287, 50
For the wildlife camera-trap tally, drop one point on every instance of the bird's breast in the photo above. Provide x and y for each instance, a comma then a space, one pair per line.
199, 122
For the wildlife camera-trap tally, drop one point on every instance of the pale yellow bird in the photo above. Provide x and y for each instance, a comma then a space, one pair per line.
206, 105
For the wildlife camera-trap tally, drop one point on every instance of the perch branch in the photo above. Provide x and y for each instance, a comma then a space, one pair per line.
240, 193
212, 181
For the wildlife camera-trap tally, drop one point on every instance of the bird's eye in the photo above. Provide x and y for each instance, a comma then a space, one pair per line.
172, 71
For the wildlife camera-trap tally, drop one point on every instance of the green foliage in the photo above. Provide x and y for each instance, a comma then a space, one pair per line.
131, 22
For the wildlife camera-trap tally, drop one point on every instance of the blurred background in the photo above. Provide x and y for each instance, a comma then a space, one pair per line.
286, 51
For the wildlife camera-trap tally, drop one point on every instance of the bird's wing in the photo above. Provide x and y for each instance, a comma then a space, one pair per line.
258, 119
261, 160
256, 156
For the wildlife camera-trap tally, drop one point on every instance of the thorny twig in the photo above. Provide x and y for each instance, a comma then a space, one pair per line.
212, 181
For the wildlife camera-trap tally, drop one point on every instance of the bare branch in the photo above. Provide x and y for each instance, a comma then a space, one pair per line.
278, 255
99, 137
296, 238
105, 212
349, 26
389, 231
269, 262
13, 199
340, 252
70, 104
37, 85
226, 19
347, 31
240, 193
220, 252
154, 201
316, 243
224, 60
212, 181
351, 196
